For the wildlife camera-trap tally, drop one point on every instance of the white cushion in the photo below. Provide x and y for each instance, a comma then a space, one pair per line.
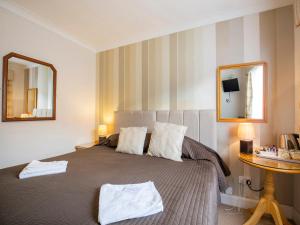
166, 141
131, 140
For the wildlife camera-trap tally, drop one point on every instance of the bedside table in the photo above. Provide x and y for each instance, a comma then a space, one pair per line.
267, 203
84, 146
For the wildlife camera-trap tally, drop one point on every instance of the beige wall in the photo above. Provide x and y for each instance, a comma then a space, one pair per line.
155, 74
272, 39
277, 49
297, 115
284, 107
21, 142
177, 71
297, 79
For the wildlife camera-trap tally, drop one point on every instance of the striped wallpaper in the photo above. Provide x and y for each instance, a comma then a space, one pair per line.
176, 71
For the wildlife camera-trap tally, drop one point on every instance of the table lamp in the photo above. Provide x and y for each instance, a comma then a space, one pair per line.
246, 136
102, 132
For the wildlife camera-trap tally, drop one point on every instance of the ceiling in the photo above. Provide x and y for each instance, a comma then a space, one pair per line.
105, 24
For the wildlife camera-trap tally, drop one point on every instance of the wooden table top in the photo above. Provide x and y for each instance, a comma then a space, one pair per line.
270, 164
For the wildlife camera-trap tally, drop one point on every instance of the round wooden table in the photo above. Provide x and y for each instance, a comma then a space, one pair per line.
267, 203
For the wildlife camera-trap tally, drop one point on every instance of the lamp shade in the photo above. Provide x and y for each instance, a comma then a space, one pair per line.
246, 131
102, 130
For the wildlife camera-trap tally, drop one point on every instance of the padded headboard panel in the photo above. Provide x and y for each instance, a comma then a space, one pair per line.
201, 123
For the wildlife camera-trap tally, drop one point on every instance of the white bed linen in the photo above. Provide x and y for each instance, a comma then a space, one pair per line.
166, 141
121, 202
37, 168
131, 140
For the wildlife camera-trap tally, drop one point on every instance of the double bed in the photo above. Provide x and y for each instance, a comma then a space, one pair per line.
190, 189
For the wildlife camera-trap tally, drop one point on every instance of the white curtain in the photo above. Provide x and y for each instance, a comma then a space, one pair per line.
249, 96
254, 94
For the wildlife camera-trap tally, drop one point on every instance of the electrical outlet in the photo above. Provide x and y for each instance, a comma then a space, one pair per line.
243, 179
229, 191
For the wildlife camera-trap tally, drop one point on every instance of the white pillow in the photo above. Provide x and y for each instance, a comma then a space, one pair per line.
166, 141
131, 140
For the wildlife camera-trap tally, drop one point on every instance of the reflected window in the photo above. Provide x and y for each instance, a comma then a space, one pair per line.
255, 87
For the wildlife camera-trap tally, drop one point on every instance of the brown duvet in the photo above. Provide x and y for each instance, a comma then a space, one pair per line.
189, 190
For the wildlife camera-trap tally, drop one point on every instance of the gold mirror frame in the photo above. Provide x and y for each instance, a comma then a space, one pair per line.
219, 92
5, 82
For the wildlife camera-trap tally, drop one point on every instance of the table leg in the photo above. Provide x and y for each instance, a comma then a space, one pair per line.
274, 210
284, 219
258, 213
268, 204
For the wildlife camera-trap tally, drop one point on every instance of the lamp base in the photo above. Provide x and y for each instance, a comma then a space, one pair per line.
102, 140
246, 146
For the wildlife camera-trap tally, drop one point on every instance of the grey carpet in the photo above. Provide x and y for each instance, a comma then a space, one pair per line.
231, 216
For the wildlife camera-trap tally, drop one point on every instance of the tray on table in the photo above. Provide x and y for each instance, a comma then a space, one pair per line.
274, 156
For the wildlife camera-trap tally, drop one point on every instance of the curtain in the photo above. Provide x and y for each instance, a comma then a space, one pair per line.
249, 96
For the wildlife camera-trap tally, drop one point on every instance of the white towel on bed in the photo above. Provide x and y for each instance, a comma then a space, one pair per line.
121, 202
37, 168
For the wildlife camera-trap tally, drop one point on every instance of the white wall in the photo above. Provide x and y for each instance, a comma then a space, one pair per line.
21, 142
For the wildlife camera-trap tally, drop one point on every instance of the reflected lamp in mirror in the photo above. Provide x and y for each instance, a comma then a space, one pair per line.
102, 130
241, 92
29, 89
246, 135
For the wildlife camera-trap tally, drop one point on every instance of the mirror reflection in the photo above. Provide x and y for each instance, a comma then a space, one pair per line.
241, 92
29, 89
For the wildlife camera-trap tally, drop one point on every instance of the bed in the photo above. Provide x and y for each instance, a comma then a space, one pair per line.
190, 190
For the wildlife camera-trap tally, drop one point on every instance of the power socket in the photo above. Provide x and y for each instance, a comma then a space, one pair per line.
243, 179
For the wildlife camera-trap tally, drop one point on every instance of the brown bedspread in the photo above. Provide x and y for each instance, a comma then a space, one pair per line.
189, 190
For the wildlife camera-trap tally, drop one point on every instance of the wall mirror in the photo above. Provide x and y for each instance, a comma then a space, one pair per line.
242, 91
29, 89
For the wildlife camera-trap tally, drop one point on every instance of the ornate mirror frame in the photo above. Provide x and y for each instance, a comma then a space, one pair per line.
265, 92
4, 88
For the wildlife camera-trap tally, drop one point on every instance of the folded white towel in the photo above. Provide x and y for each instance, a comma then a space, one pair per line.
121, 202
37, 168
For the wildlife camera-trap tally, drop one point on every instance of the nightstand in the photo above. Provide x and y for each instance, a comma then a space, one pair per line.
84, 146
267, 203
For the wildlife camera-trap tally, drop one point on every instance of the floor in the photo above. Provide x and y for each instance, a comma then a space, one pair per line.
232, 216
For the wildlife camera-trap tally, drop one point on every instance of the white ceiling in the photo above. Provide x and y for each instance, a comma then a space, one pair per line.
104, 24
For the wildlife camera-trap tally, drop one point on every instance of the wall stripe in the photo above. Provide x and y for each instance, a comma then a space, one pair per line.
173, 70
121, 78
159, 74
133, 77
145, 71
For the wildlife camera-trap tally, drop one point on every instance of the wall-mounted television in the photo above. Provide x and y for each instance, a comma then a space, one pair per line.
231, 85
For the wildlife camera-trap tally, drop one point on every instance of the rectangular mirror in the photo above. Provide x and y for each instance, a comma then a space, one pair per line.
241, 92
29, 89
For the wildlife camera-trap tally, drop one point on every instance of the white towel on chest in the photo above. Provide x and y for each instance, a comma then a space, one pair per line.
37, 168
121, 202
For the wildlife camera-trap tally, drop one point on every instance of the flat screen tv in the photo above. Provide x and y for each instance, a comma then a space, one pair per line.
231, 85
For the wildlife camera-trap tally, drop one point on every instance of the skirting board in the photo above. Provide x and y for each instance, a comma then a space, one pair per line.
247, 203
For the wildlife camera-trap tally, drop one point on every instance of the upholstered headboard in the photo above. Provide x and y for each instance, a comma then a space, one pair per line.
201, 123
